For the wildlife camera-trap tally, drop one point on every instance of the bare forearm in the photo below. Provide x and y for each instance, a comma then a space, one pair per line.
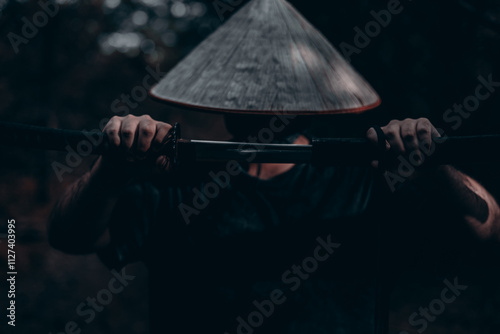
457, 193
79, 220
466, 197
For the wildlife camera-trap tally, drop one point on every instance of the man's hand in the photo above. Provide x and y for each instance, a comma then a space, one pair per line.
410, 139
79, 222
132, 140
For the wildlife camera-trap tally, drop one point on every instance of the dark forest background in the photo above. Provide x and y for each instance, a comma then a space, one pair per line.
68, 75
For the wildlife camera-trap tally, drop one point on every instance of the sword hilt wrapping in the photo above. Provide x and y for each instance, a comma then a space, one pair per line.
31, 136
444, 150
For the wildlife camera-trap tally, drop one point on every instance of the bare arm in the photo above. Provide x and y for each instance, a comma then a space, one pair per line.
79, 220
457, 191
466, 197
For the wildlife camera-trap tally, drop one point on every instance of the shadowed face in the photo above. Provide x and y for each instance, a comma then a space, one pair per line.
244, 127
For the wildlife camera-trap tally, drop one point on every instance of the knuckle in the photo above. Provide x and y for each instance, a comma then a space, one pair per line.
147, 117
112, 122
422, 131
391, 130
150, 129
408, 131
147, 131
409, 137
390, 134
408, 125
127, 133
128, 119
163, 125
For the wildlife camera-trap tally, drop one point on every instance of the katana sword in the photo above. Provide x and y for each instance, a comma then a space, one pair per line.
321, 151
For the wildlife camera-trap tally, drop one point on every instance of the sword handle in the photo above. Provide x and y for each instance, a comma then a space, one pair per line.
445, 150
89, 142
31, 136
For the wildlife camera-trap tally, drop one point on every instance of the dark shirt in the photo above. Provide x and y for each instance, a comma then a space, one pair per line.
232, 265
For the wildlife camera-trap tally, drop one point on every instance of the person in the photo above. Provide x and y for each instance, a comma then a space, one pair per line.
264, 248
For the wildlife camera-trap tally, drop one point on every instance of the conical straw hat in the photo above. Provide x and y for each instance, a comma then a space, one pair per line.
266, 58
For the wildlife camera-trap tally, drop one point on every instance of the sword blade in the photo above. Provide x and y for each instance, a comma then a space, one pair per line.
212, 151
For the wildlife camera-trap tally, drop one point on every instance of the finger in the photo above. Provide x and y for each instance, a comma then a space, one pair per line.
162, 130
424, 133
163, 164
372, 137
409, 135
128, 132
434, 132
112, 131
146, 131
410, 140
393, 134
